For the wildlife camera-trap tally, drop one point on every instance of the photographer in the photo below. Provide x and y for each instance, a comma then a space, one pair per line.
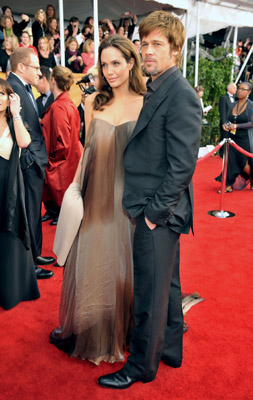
74, 31
88, 85
128, 20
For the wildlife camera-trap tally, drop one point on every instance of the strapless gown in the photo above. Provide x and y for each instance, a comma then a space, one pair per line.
96, 308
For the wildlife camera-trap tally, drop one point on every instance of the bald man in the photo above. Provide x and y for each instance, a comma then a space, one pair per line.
224, 106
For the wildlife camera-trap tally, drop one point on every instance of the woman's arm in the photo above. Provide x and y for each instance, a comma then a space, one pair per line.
22, 135
88, 112
249, 124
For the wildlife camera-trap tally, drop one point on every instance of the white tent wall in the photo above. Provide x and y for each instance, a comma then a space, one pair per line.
213, 16
82, 9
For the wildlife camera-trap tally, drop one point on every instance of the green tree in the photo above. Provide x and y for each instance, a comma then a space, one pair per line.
214, 76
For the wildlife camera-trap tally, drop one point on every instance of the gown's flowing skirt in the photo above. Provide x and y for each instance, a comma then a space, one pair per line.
96, 307
17, 274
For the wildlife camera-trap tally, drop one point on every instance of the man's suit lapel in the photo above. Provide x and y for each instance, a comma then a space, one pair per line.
148, 111
24, 91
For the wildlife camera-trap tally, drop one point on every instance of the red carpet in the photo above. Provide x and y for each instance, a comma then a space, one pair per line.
216, 262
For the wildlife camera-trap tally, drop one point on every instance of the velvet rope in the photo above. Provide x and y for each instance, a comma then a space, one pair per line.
212, 152
246, 153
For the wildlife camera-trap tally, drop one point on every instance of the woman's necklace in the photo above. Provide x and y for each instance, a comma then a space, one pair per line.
238, 110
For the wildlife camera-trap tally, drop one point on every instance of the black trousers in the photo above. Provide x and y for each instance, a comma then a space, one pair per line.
52, 209
157, 301
33, 196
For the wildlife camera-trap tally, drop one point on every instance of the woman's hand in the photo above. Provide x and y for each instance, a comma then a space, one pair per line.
73, 58
14, 104
80, 60
25, 17
226, 127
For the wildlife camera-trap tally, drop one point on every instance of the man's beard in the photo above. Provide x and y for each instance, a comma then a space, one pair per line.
154, 71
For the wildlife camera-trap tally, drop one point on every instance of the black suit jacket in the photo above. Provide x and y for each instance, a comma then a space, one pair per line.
42, 108
36, 151
224, 107
161, 155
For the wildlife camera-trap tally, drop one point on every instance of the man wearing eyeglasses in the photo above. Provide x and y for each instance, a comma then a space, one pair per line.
26, 72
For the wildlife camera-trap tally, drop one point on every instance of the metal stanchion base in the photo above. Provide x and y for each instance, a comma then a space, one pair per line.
221, 214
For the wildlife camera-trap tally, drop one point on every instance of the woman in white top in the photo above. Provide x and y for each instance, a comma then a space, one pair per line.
17, 273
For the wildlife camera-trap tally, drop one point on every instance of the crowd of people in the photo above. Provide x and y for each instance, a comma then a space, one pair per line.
121, 202
44, 37
242, 50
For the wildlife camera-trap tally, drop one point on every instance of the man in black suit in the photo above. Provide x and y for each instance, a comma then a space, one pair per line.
159, 162
26, 72
46, 98
43, 102
224, 106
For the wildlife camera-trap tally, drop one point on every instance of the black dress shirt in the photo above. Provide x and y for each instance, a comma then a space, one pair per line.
152, 86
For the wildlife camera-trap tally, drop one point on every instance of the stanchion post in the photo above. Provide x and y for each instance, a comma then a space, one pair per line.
224, 173
221, 213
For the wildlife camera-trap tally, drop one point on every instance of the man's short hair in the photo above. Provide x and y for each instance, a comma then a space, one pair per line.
20, 55
45, 71
171, 27
74, 19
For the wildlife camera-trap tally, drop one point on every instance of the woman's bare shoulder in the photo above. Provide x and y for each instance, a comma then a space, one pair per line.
138, 100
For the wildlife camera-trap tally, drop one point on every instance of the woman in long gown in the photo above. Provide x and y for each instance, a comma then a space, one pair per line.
17, 274
241, 132
96, 309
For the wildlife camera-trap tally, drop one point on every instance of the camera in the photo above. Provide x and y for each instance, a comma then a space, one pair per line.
90, 90
89, 78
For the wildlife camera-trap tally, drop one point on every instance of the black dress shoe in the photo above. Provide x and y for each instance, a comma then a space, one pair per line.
117, 380
43, 273
44, 260
170, 362
65, 344
54, 222
46, 217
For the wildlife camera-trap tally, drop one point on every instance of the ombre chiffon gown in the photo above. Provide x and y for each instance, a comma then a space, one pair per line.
96, 307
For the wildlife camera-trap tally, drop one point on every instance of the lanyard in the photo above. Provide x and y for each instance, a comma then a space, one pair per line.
239, 109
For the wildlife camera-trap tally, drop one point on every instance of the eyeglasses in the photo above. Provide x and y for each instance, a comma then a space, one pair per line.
32, 66
245, 90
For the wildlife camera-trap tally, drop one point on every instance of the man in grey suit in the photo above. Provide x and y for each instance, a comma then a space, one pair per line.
26, 72
159, 162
